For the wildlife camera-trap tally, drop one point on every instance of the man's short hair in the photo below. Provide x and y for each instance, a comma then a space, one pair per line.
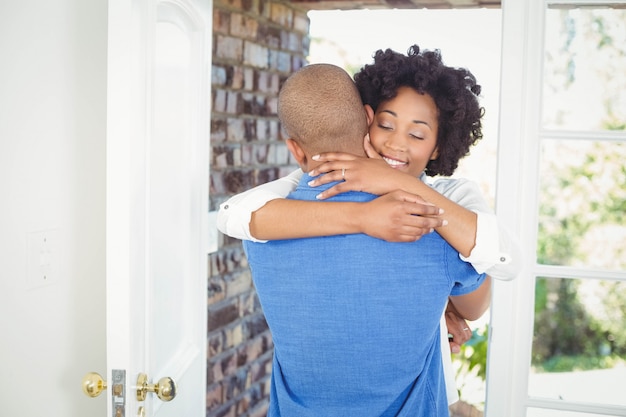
321, 109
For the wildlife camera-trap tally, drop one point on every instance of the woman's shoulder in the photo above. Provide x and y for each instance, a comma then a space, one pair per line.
448, 185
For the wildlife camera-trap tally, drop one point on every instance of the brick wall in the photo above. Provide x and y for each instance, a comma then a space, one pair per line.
257, 44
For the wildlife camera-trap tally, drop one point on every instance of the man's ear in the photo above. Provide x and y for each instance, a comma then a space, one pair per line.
297, 152
369, 111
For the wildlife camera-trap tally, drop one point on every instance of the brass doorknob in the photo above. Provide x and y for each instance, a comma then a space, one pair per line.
93, 384
165, 389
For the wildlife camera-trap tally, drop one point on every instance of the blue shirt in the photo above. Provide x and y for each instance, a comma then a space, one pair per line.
355, 320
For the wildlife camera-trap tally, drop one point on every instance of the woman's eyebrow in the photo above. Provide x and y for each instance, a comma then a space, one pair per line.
394, 114
421, 122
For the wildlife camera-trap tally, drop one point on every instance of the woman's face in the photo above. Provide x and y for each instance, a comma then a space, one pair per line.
404, 130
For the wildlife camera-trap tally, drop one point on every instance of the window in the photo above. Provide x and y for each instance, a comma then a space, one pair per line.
558, 345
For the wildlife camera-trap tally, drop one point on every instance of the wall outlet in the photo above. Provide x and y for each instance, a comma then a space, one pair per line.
43, 258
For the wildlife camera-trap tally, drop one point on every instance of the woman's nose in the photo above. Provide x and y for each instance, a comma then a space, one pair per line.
395, 142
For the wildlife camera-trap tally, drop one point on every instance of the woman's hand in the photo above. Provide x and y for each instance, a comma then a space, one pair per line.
458, 328
399, 217
356, 173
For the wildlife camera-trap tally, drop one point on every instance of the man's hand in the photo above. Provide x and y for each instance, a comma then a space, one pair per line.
458, 328
399, 217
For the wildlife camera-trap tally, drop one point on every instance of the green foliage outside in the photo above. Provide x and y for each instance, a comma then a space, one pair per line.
580, 324
472, 359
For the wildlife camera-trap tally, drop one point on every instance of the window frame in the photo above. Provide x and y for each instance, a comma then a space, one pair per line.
517, 201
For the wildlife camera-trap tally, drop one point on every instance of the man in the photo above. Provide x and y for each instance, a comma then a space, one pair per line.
355, 320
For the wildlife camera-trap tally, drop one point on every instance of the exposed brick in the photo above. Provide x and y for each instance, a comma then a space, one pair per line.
218, 75
235, 385
255, 326
221, 21
271, 109
301, 22
255, 54
261, 408
281, 61
281, 14
216, 183
228, 364
235, 131
234, 104
238, 284
229, 410
237, 81
214, 396
269, 35
252, 104
232, 336
235, 4
215, 291
250, 6
214, 372
257, 44
222, 314
218, 130
229, 48
215, 344
248, 76
260, 154
249, 132
219, 100
249, 303
238, 181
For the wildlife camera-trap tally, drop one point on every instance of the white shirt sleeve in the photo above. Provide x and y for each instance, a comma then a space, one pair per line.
496, 251
233, 217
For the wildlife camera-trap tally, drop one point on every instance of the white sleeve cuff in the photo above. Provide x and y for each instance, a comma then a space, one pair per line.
487, 252
233, 217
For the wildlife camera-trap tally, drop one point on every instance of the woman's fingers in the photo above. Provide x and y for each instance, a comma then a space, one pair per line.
369, 149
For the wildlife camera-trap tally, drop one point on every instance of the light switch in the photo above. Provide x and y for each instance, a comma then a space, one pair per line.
43, 258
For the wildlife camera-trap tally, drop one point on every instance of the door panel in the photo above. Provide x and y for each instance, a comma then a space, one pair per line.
157, 185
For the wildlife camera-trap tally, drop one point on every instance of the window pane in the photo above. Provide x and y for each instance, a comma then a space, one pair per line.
582, 201
542, 412
585, 50
579, 342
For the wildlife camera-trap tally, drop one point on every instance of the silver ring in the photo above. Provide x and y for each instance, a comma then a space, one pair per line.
467, 328
343, 174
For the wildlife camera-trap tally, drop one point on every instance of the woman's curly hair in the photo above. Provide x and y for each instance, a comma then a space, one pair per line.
454, 91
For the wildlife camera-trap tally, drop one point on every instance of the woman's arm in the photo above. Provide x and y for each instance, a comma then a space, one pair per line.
497, 251
376, 177
395, 217
233, 217
473, 305
262, 214
473, 230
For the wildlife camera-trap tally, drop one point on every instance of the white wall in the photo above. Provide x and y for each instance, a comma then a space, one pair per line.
52, 178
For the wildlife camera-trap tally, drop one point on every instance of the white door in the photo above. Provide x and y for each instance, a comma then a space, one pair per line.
159, 62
